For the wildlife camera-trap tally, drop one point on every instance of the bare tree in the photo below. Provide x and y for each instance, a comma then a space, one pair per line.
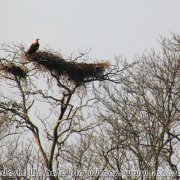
45, 94
143, 109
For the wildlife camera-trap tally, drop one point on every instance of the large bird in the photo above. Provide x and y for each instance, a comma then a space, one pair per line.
34, 47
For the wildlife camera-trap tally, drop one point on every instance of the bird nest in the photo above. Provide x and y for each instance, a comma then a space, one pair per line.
76, 72
15, 70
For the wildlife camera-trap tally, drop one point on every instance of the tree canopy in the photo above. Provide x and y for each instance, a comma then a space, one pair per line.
65, 115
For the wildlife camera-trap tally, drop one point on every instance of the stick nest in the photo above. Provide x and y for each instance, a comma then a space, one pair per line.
15, 70
76, 72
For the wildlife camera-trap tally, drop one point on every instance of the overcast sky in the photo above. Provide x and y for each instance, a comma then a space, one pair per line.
109, 27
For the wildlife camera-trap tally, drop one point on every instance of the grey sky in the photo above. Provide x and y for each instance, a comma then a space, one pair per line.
109, 27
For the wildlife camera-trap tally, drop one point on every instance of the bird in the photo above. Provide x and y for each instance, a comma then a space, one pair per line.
34, 47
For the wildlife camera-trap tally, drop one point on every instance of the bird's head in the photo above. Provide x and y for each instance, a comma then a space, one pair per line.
37, 40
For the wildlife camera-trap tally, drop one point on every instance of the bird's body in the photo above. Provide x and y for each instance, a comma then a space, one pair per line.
34, 47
